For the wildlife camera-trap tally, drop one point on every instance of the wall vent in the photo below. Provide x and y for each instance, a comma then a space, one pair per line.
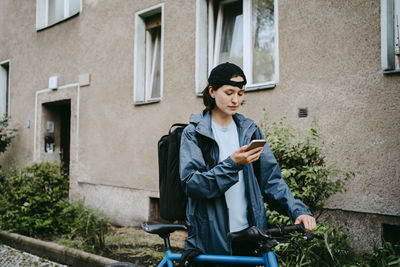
154, 213
303, 112
391, 233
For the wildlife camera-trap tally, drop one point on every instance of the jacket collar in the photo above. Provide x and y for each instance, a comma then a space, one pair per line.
202, 122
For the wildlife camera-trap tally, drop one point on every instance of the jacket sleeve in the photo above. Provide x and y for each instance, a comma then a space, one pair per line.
197, 181
274, 188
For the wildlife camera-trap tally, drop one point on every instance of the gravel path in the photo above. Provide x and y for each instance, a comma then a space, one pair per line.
10, 257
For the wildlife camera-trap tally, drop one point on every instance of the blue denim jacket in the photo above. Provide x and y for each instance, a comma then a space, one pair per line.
206, 211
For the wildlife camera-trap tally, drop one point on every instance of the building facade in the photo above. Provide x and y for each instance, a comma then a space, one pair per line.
96, 83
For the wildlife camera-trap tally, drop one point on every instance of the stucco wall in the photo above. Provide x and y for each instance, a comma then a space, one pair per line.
329, 62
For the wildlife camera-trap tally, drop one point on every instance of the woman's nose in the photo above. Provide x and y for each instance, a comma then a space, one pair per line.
234, 98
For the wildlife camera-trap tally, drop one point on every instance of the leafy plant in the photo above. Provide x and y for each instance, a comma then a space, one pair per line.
304, 168
386, 255
333, 249
7, 134
30, 197
34, 202
90, 226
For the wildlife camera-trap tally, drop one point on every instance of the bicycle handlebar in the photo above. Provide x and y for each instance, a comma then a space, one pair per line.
254, 233
281, 230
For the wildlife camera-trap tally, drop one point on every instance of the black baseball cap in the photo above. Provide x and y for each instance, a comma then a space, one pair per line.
223, 73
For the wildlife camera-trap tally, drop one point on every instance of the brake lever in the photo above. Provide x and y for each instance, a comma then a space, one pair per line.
306, 235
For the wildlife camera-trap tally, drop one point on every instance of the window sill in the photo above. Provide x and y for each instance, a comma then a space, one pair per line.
56, 23
391, 72
141, 103
260, 87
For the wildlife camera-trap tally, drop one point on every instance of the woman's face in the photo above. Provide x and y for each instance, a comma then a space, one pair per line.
228, 98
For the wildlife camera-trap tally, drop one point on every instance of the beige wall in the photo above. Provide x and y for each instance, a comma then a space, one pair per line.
329, 62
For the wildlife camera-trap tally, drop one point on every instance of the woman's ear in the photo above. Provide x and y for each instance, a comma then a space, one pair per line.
211, 91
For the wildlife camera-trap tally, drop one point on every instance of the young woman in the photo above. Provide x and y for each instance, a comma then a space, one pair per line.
228, 196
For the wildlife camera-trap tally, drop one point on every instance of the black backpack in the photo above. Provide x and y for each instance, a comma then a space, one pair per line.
172, 198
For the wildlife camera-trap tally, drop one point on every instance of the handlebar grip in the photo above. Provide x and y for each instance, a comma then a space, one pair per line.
286, 229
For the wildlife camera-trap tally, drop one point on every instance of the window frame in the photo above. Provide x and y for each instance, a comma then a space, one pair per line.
42, 14
141, 92
7, 93
205, 44
388, 57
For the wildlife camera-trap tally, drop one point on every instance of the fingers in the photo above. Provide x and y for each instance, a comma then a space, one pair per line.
255, 156
245, 157
308, 221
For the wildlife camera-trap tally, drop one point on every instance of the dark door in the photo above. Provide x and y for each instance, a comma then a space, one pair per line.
65, 125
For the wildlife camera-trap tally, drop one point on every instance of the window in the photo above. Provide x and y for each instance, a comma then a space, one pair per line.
243, 32
390, 28
4, 88
50, 12
148, 68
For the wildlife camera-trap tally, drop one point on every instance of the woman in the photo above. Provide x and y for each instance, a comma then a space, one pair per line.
228, 196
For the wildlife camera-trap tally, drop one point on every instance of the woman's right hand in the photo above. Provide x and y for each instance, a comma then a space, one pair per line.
243, 157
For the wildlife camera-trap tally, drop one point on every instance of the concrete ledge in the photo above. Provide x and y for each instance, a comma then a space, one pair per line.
53, 251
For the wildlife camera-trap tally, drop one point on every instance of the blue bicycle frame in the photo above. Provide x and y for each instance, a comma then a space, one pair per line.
268, 259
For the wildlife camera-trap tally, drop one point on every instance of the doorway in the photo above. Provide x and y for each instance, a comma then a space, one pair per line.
57, 128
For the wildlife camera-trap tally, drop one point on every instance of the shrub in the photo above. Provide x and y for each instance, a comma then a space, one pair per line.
34, 202
30, 198
90, 226
386, 255
7, 134
303, 164
304, 169
333, 249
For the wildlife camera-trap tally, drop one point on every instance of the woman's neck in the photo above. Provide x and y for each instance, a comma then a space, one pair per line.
220, 118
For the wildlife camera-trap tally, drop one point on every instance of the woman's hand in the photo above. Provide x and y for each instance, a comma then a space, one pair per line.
308, 221
243, 157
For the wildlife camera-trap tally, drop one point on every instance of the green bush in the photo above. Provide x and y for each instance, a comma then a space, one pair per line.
90, 226
30, 199
304, 169
303, 164
332, 250
34, 202
7, 134
386, 255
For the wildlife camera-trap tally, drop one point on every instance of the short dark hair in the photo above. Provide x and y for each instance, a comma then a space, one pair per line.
219, 76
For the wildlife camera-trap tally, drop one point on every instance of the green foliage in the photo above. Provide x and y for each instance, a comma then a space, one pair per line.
30, 199
387, 255
332, 250
34, 202
304, 169
303, 164
7, 134
88, 225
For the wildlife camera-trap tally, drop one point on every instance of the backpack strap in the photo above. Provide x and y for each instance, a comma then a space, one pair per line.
176, 125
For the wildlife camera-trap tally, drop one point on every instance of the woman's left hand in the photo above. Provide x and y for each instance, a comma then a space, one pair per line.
308, 221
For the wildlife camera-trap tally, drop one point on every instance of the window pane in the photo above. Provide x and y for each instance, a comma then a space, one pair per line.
3, 89
263, 40
56, 11
74, 7
397, 32
232, 34
155, 68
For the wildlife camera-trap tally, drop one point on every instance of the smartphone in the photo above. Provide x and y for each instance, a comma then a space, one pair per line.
256, 143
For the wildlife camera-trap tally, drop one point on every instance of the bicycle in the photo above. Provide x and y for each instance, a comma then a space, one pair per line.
264, 238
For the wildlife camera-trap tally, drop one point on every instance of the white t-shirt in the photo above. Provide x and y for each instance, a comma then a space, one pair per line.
228, 142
